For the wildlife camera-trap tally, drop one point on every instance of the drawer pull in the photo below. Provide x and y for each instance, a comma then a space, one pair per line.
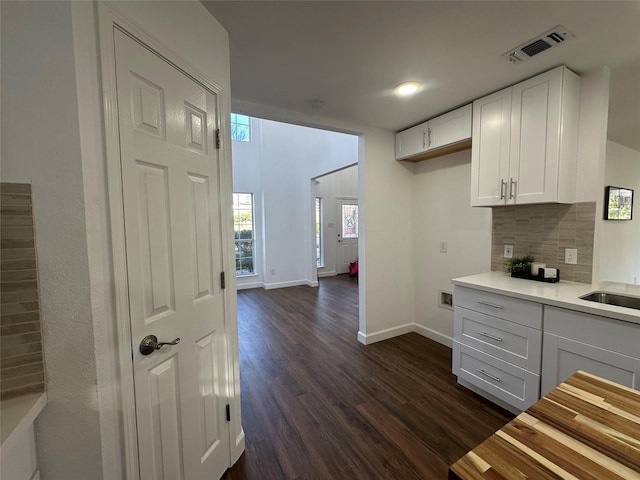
488, 335
489, 304
492, 377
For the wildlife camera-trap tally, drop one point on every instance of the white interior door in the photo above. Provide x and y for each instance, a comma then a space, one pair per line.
347, 246
174, 259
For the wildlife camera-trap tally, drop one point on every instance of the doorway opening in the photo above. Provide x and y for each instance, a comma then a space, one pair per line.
337, 223
294, 176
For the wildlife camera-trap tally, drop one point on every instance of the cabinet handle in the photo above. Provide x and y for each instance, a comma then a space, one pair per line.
429, 130
512, 188
492, 377
424, 141
488, 335
488, 304
503, 184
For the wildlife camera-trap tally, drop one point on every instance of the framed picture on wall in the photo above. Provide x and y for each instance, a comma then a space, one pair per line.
618, 203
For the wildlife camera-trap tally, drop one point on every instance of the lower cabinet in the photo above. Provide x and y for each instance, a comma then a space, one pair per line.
580, 341
497, 346
18, 456
514, 351
563, 357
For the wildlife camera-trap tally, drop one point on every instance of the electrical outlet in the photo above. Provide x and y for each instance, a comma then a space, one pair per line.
508, 251
273, 271
571, 256
443, 247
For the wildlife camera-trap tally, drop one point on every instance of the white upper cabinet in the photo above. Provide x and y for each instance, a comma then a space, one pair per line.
412, 141
525, 142
449, 128
490, 148
447, 133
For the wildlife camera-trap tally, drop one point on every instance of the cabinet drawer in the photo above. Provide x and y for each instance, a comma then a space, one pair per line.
506, 340
607, 333
513, 385
515, 310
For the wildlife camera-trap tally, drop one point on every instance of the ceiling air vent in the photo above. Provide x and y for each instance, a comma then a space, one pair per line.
539, 44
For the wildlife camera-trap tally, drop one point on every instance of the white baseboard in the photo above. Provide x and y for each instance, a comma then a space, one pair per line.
368, 339
294, 283
433, 335
388, 333
324, 273
246, 286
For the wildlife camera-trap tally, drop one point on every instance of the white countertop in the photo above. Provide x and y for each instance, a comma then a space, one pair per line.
562, 294
20, 412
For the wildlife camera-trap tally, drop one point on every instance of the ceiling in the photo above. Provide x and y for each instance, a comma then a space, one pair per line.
351, 55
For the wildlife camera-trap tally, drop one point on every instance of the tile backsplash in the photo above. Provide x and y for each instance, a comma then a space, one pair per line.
21, 359
544, 231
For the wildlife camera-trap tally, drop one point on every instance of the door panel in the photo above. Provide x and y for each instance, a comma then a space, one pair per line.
535, 137
490, 148
154, 233
164, 405
200, 229
170, 184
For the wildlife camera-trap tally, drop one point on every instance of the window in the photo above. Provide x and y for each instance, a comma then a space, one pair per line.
349, 221
319, 259
240, 128
243, 229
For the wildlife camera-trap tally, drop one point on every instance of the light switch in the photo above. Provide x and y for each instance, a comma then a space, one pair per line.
443, 246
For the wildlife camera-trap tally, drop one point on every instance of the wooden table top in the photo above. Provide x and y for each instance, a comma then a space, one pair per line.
586, 428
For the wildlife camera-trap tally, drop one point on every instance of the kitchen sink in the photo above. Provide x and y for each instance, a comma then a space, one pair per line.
613, 299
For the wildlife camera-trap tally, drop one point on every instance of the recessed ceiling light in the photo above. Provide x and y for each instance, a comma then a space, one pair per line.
407, 88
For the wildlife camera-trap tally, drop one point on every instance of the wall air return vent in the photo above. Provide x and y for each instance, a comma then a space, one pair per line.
539, 44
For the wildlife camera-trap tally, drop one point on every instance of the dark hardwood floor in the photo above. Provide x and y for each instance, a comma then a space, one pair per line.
317, 404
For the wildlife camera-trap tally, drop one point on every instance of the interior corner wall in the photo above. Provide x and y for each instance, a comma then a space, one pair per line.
343, 183
442, 213
619, 258
592, 145
39, 91
592, 136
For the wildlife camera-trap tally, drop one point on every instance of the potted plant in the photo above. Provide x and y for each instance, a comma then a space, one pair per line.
520, 266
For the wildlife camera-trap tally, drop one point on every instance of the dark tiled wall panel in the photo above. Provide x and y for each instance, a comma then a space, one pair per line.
21, 359
544, 231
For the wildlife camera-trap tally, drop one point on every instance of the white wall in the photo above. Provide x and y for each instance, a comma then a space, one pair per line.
442, 212
50, 84
619, 253
343, 183
277, 167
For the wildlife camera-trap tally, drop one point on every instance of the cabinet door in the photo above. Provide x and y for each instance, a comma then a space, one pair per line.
411, 141
562, 357
452, 127
535, 139
490, 149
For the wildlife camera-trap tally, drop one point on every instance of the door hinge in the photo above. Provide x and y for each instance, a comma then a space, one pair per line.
223, 282
228, 410
217, 138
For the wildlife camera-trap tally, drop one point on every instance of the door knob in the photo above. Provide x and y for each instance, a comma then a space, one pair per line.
150, 344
